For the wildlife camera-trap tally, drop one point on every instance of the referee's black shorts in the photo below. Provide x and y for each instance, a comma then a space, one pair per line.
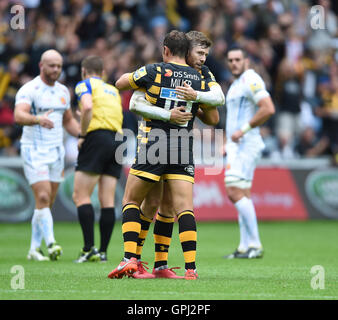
98, 153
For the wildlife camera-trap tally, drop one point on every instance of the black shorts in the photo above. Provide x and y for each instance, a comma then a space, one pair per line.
98, 153
158, 157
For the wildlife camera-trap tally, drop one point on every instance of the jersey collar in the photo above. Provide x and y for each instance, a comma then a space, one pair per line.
180, 64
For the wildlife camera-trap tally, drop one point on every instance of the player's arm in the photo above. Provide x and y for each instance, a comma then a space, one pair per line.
123, 82
70, 123
139, 105
265, 111
137, 79
83, 91
23, 116
209, 115
86, 112
214, 97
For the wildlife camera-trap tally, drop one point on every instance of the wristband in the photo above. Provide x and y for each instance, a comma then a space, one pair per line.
198, 96
246, 127
37, 119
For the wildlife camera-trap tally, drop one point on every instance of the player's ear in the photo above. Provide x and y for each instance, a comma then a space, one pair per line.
166, 51
247, 62
83, 73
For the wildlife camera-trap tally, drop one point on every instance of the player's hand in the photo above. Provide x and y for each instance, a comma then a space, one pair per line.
79, 143
237, 135
179, 116
186, 92
45, 122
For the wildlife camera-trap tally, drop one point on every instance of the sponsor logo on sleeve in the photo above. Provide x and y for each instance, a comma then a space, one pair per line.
255, 87
212, 76
139, 73
80, 88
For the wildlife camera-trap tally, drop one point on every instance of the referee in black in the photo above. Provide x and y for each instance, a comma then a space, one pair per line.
101, 120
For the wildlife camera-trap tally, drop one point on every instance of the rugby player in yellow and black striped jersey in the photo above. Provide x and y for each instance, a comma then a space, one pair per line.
158, 198
101, 120
160, 81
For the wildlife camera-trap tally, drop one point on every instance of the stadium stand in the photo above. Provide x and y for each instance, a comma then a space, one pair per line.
297, 59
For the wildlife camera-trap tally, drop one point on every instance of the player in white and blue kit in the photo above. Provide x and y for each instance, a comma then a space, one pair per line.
42, 106
248, 106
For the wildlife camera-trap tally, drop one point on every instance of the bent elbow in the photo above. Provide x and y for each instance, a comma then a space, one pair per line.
17, 118
118, 84
133, 107
87, 108
222, 100
215, 121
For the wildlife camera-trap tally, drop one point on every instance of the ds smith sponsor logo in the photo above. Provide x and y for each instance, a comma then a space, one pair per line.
168, 73
322, 191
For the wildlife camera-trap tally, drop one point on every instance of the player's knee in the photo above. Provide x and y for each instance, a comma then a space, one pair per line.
231, 193
184, 205
76, 197
150, 206
43, 198
106, 200
235, 187
167, 210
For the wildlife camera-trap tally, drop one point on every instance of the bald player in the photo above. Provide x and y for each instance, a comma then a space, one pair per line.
42, 107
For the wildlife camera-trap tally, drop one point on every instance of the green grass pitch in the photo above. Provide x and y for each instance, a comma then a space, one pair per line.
291, 250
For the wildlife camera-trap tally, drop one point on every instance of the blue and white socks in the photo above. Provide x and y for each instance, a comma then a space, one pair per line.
42, 227
249, 235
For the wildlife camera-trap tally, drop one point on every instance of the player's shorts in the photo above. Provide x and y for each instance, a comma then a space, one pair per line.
159, 156
241, 162
98, 153
43, 163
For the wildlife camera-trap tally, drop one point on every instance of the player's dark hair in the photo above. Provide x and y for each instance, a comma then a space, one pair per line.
236, 47
177, 42
93, 65
197, 38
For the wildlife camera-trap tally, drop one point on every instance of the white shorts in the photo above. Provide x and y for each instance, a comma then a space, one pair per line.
43, 163
241, 162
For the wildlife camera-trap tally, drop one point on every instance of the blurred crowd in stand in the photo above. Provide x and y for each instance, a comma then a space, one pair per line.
292, 44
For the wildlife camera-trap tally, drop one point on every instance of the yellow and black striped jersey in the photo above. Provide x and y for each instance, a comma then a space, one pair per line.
208, 77
160, 80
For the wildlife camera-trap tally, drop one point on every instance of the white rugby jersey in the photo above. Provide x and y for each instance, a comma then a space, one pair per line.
42, 97
241, 102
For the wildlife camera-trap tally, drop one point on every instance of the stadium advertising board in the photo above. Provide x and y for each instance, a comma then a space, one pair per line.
65, 193
274, 193
321, 188
278, 194
64, 201
16, 197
